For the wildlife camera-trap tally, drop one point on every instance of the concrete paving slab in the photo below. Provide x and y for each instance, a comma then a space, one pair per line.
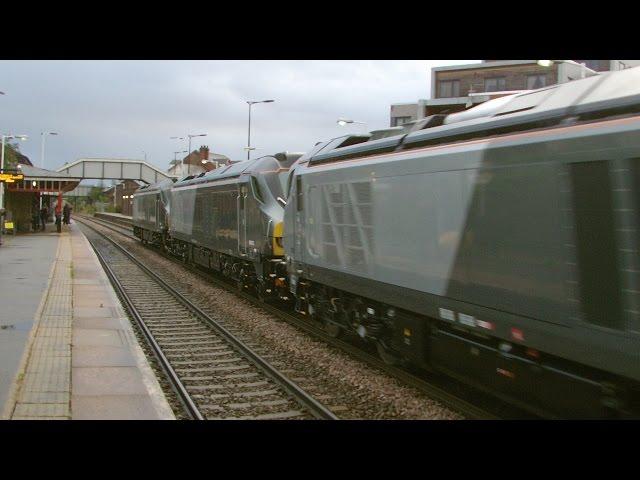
84, 281
107, 381
114, 407
102, 300
96, 337
107, 323
87, 289
104, 356
94, 312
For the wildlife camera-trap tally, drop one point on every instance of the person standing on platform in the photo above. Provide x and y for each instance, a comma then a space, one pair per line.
66, 214
58, 212
35, 221
44, 213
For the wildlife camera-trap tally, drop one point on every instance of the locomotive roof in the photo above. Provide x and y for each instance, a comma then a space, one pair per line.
284, 159
155, 187
607, 94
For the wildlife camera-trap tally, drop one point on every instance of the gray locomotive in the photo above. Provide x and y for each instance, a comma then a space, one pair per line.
499, 244
229, 220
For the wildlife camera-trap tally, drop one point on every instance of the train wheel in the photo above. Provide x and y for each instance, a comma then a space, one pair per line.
260, 294
332, 329
387, 356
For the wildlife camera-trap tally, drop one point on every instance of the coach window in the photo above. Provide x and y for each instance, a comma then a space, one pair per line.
256, 189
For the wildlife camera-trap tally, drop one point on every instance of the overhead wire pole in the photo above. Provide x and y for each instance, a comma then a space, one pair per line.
250, 103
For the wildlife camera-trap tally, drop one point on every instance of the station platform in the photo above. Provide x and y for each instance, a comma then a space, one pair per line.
67, 349
125, 220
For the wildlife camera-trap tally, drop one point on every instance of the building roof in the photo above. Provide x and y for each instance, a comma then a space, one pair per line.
492, 64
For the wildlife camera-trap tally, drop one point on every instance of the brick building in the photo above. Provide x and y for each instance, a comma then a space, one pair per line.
196, 162
123, 193
459, 87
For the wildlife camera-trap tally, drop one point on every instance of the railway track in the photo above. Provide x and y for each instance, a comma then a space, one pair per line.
470, 402
216, 374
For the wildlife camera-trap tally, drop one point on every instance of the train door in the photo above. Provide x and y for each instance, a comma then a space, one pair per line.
242, 220
299, 220
158, 220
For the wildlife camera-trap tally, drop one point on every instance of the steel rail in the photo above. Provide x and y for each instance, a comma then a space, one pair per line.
177, 385
316, 408
468, 409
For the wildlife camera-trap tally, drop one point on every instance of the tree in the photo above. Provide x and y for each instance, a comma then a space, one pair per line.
96, 195
11, 154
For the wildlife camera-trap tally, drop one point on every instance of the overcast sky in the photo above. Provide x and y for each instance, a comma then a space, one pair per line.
121, 109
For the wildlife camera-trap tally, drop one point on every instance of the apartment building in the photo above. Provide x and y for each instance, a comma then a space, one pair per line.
459, 87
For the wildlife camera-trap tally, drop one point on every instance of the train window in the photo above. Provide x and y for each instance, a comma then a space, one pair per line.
290, 183
256, 189
596, 248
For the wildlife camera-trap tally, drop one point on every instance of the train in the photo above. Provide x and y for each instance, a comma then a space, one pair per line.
498, 245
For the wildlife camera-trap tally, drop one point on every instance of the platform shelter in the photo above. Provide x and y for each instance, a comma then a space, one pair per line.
22, 197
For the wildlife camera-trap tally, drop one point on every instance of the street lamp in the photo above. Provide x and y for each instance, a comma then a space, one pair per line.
4, 138
43, 135
583, 67
175, 155
251, 103
190, 136
189, 154
345, 121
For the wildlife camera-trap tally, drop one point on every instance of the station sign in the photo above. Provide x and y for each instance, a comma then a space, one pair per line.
10, 176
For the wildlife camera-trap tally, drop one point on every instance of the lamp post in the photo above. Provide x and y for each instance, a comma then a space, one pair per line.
251, 103
175, 155
189, 136
4, 139
189, 154
43, 136
345, 121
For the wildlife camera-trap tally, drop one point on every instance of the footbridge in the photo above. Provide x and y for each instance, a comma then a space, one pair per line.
113, 169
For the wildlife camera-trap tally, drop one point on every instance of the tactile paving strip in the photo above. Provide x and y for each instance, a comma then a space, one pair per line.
45, 386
